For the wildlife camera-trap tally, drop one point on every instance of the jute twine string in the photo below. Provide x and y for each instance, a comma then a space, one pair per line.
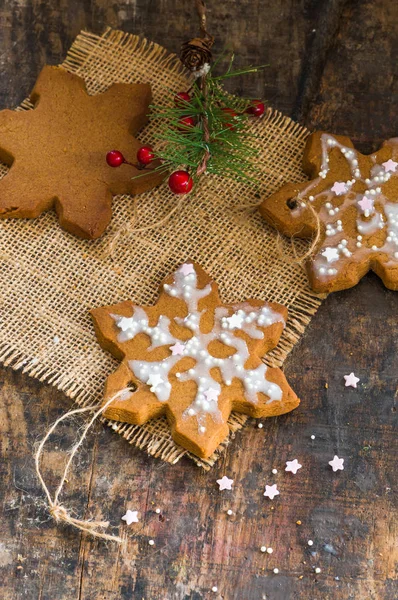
280, 240
201, 10
300, 259
165, 219
129, 229
57, 510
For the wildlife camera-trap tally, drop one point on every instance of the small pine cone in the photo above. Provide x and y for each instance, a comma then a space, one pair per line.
196, 53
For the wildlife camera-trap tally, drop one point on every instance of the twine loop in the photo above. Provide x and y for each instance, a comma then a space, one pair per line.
58, 511
301, 259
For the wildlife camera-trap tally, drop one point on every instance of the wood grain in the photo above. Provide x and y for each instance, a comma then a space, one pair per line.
333, 64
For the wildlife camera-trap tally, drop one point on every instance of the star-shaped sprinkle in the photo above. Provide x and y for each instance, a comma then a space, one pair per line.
339, 187
177, 349
331, 254
131, 516
337, 463
225, 483
187, 269
271, 491
292, 466
234, 321
366, 204
154, 380
211, 394
390, 165
351, 380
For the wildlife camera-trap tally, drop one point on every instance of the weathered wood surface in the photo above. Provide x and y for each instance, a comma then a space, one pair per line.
333, 65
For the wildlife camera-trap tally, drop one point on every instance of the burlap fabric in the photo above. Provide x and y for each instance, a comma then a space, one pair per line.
49, 279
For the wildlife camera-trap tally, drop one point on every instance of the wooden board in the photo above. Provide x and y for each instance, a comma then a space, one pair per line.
332, 65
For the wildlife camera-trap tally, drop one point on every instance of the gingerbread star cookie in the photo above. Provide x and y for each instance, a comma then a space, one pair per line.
194, 359
356, 200
57, 151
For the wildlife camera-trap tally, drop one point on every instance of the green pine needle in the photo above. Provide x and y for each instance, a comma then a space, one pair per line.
229, 146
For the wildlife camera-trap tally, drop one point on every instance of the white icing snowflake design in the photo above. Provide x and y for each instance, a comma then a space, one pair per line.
210, 374
155, 374
366, 194
370, 219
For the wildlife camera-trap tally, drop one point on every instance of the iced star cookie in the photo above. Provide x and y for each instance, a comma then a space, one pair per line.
194, 359
57, 151
356, 199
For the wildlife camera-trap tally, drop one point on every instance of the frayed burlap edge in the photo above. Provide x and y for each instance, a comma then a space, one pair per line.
150, 437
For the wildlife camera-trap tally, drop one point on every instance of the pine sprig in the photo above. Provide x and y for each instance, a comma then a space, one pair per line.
207, 129
219, 142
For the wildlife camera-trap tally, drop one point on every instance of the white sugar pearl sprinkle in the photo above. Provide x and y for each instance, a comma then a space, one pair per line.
260, 425
310, 543
269, 550
214, 589
229, 512
274, 471
151, 542
317, 570
157, 511
276, 571
312, 437
263, 548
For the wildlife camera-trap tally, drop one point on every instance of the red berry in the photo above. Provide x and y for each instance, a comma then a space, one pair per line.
181, 99
232, 113
180, 182
115, 158
186, 123
145, 155
256, 108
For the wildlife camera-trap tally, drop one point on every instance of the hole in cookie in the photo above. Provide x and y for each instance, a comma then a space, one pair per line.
132, 386
292, 203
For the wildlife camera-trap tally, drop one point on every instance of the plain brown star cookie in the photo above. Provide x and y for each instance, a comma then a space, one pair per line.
356, 200
194, 359
57, 151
